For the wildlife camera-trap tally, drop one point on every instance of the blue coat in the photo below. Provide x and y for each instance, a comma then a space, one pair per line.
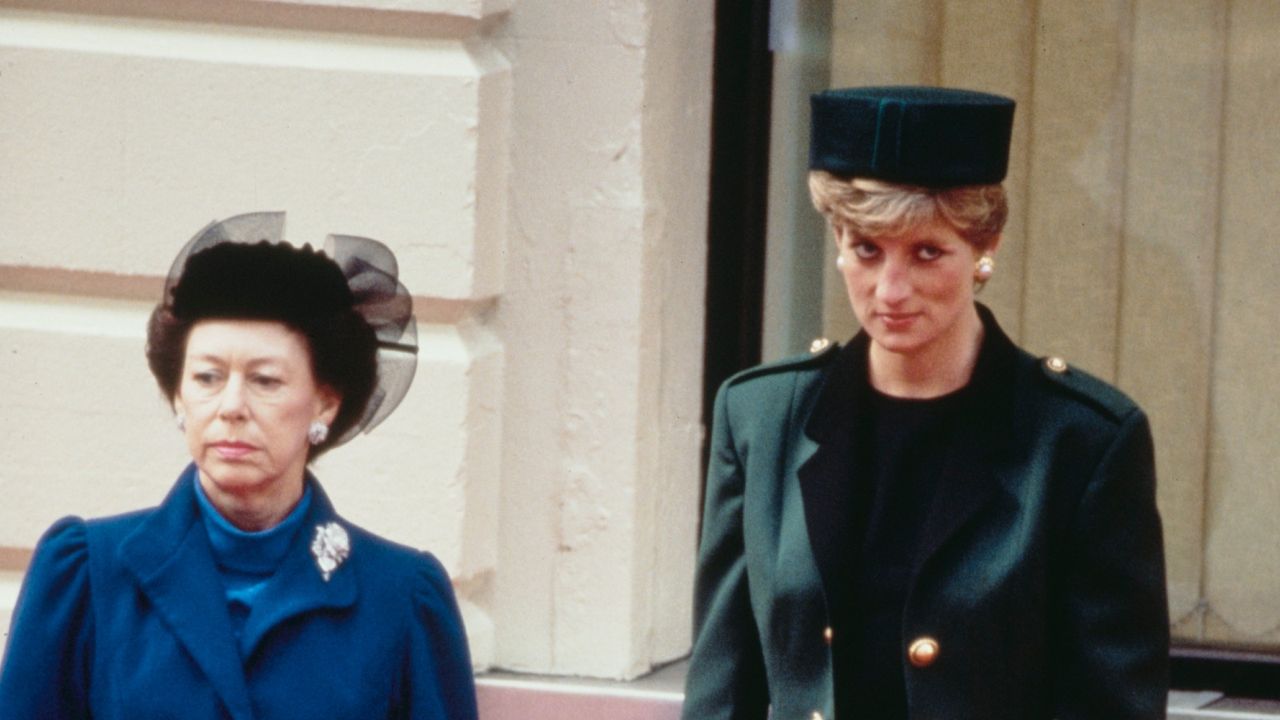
125, 618
1039, 585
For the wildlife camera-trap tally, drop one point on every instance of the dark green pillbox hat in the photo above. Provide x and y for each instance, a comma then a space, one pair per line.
934, 137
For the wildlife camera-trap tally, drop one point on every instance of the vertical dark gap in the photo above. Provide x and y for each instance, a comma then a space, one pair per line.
742, 83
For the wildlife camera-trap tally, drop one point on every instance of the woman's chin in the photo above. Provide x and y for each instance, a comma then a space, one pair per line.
233, 477
905, 344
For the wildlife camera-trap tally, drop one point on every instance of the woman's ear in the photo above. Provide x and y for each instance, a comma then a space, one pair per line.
328, 402
995, 245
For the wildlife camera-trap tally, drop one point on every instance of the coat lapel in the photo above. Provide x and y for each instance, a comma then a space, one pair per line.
169, 554
298, 586
970, 481
826, 467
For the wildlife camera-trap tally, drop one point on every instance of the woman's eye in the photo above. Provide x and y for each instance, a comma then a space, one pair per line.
928, 252
267, 382
865, 250
205, 377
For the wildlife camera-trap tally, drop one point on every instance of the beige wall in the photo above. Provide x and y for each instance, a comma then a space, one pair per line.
603, 321
1143, 182
539, 167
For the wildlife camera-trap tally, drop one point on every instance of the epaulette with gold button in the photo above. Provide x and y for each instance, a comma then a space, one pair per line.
1095, 391
821, 351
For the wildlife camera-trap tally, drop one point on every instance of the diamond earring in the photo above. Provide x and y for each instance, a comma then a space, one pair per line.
317, 433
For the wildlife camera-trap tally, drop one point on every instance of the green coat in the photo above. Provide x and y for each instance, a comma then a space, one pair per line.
1041, 575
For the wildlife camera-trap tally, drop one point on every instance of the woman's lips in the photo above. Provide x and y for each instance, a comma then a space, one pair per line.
232, 450
897, 321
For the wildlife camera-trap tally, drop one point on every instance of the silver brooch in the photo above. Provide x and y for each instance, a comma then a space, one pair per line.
331, 546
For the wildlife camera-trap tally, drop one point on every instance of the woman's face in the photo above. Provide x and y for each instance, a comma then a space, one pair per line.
248, 397
910, 292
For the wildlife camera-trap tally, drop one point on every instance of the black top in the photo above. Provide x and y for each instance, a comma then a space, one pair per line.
904, 447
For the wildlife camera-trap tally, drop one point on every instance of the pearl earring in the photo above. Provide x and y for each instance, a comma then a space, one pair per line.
181, 421
317, 433
840, 262
984, 268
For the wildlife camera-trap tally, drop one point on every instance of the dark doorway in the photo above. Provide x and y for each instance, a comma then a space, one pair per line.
741, 89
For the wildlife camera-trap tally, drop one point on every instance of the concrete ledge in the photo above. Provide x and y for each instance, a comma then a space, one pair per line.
511, 696
527, 700
1187, 705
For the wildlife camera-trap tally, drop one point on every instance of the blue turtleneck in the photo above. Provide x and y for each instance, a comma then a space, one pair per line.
247, 560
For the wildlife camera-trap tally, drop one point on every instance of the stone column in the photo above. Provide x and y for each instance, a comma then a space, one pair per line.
602, 320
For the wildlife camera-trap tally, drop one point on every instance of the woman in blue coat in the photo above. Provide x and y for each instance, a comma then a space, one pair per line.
928, 522
244, 595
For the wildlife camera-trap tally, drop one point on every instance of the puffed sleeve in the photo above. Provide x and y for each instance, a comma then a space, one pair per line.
1112, 623
439, 682
45, 675
726, 670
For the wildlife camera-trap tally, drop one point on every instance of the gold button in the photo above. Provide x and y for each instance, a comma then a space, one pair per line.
818, 345
1056, 364
923, 651
828, 634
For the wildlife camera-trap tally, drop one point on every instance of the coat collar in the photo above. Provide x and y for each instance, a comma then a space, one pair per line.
299, 586
827, 478
170, 556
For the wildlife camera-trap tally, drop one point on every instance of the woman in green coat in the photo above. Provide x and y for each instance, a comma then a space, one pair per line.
927, 522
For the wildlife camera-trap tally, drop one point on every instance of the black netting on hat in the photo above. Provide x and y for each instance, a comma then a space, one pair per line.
371, 272
242, 268
247, 228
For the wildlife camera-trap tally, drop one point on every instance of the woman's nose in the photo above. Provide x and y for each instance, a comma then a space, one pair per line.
894, 284
231, 404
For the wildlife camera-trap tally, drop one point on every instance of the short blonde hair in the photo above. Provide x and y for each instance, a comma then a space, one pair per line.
877, 208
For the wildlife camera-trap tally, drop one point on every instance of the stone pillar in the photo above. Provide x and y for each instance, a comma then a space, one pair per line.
602, 320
